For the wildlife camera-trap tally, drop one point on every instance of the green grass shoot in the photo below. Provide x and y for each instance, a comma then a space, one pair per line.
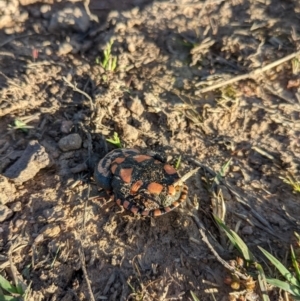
293, 182
115, 140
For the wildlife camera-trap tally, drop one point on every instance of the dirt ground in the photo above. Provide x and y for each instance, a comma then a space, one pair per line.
59, 235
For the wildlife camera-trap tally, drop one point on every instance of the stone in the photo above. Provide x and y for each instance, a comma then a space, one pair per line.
247, 230
45, 10
7, 191
79, 168
70, 142
16, 207
70, 18
33, 159
5, 213
54, 214
50, 231
66, 126
64, 48
130, 132
135, 106
131, 48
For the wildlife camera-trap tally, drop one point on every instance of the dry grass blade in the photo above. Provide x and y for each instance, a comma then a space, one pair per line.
187, 176
74, 87
253, 74
209, 245
262, 282
86, 277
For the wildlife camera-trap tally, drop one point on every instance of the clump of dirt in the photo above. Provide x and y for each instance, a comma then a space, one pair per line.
72, 75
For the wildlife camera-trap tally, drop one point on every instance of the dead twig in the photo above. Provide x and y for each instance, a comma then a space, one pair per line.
10, 39
192, 4
251, 74
93, 17
85, 274
218, 257
74, 87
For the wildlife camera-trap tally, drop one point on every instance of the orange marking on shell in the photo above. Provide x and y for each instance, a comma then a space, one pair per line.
155, 188
141, 158
118, 160
113, 168
145, 212
167, 209
156, 212
135, 187
126, 204
170, 170
134, 210
157, 162
125, 174
176, 204
171, 190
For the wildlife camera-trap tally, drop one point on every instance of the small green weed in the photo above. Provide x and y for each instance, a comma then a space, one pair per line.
293, 182
221, 172
20, 125
229, 92
109, 62
15, 292
178, 162
115, 140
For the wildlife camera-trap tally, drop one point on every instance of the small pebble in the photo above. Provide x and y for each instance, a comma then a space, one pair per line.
66, 126
5, 213
135, 106
130, 132
79, 168
247, 230
46, 8
19, 223
70, 142
16, 207
7, 190
64, 48
33, 159
70, 18
131, 48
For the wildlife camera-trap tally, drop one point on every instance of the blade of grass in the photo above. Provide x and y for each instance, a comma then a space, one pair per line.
222, 172
115, 140
281, 268
7, 286
132, 288
290, 288
236, 241
8, 298
295, 263
262, 282
114, 63
19, 289
55, 257
195, 298
177, 165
